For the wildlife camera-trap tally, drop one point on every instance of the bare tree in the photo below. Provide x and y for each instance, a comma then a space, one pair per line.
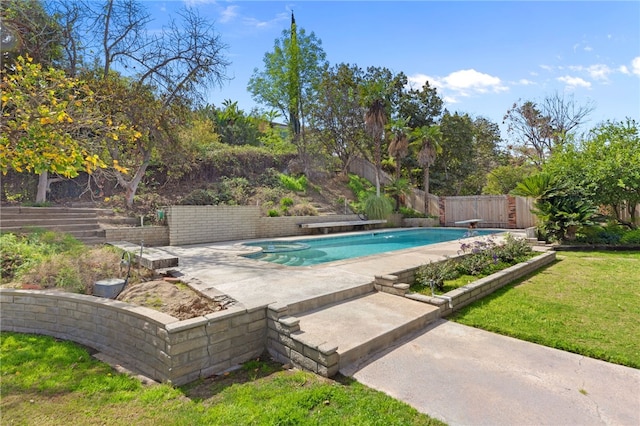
539, 129
165, 71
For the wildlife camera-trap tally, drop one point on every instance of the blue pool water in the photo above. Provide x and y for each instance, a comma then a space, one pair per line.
305, 252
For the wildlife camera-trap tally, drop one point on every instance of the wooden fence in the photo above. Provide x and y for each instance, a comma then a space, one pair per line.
496, 211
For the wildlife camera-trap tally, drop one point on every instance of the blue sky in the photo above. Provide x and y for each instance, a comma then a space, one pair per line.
481, 56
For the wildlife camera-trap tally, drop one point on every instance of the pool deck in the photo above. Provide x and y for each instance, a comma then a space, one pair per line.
452, 372
219, 268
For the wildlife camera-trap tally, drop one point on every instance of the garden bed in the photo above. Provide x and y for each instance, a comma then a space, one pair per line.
462, 296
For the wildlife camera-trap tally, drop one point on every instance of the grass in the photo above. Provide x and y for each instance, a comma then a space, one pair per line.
586, 302
51, 382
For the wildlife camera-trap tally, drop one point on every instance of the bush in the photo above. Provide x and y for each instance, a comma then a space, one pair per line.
303, 210
514, 250
609, 234
74, 273
21, 252
286, 202
408, 212
435, 273
378, 207
631, 237
273, 213
294, 184
200, 197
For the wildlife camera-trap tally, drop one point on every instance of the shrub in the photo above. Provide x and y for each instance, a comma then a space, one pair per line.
286, 202
514, 250
273, 213
631, 237
21, 252
294, 184
378, 207
474, 264
200, 197
408, 212
75, 273
610, 234
303, 210
435, 273
237, 189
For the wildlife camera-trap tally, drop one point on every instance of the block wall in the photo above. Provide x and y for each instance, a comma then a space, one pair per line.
150, 342
207, 224
153, 236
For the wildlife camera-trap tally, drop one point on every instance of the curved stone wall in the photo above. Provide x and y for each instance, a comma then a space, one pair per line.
150, 342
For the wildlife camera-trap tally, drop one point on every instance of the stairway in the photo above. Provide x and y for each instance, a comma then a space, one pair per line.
367, 324
355, 329
82, 223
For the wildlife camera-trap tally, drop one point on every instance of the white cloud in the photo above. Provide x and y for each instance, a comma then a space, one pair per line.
462, 83
546, 67
635, 65
228, 14
599, 71
525, 82
588, 48
624, 70
573, 82
473, 81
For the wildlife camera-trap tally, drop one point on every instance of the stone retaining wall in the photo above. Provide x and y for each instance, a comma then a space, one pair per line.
461, 297
153, 236
208, 224
153, 343
286, 344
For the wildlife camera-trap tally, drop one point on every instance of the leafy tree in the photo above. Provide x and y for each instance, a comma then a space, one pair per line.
27, 29
486, 155
504, 179
168, 72
539, 129
456, 162
50, 125
606, 165
423, 107
289, 80
337, 116
234, 127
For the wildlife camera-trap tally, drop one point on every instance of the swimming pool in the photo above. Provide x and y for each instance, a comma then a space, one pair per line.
306, 252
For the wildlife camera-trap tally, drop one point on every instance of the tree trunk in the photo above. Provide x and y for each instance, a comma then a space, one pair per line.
132, 186
43, 183
426, 189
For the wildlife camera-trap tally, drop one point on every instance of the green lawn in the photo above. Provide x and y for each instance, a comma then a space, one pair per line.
50, 382
586, 302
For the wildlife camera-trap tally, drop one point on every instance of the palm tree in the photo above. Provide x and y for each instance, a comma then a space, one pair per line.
374, 121
399, 145
430, 138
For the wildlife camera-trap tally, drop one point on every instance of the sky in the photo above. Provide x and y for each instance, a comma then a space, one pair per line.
481, 56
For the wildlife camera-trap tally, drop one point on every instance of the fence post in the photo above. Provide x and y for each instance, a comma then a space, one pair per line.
512, 214
442, 211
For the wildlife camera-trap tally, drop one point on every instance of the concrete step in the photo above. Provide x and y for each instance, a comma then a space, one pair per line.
68, 228
82, 223
151, 258
47, 221
362, 326
5, 210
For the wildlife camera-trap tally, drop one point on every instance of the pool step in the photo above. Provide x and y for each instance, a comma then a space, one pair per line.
363, 326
